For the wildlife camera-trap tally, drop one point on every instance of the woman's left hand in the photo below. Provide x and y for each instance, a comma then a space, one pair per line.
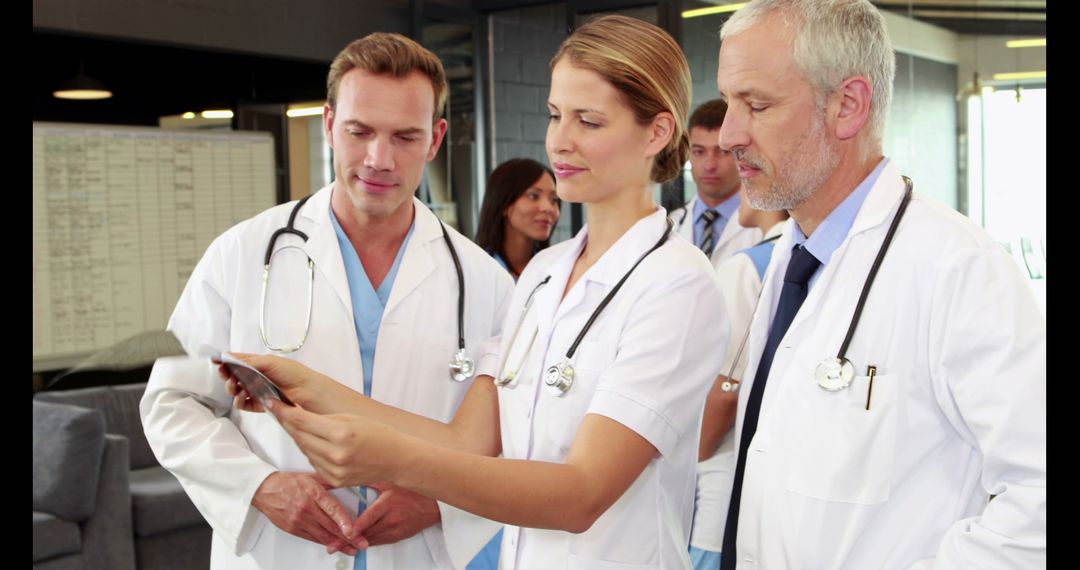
346, 450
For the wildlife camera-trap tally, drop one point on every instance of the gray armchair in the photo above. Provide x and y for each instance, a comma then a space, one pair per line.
82, 509
169, 532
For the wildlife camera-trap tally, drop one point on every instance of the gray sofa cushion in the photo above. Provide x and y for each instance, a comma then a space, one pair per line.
68, 445
159, 503
54, 536
70, 562
120, 404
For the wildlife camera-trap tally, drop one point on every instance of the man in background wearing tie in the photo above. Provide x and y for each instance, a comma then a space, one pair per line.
711, 219
711, 222
927, 448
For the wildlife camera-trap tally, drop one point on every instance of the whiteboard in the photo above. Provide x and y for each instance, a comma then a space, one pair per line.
121, 217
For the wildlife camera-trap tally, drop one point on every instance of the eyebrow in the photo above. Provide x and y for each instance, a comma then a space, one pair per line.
361, 125
581, 111
749, 93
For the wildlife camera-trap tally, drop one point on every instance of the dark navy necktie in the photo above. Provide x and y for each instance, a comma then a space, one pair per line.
799, 270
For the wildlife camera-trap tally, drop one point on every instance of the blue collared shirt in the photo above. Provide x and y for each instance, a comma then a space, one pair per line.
726, 209
368, 303
834, 229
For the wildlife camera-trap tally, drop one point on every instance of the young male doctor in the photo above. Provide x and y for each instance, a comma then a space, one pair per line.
711, 219
366, 289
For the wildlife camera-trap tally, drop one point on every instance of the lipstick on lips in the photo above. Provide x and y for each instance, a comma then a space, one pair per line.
563, 170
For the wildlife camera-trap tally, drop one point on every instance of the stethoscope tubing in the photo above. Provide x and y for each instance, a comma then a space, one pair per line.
291, 229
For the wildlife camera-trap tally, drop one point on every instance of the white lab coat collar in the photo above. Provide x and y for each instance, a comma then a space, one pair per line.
626, 251
883, 199
881, 203
776, 230
322, 246
731, 229
874, 214
421, 256
615, 262
607, 270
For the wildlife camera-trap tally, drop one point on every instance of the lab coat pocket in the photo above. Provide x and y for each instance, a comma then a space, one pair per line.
438, 342
575, 562
843, 451
566, 412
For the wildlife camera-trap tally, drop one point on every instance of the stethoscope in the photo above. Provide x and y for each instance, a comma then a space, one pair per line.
836, 373
461, 366
560, 377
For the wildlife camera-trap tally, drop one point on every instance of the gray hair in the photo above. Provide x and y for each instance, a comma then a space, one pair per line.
834, 40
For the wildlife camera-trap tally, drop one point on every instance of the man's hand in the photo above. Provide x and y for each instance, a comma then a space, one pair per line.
395, 515
301, 505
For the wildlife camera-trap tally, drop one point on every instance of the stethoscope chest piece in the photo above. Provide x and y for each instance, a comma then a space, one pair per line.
834, 374
461, 367
559, 378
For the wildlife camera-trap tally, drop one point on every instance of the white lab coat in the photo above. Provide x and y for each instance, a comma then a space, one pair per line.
732, 239
740, 284
222, 455
957, 411
643, 364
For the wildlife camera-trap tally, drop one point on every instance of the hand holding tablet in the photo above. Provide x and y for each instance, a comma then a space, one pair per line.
258, 385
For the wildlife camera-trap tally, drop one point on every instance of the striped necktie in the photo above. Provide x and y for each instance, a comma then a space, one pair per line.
708, 240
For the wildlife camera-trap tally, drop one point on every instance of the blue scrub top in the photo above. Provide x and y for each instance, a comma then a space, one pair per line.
368, 305
367, 302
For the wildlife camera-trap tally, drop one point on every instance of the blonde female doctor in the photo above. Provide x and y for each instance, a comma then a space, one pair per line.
596, 406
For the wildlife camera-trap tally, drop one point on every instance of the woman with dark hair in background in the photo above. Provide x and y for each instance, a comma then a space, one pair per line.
519, 213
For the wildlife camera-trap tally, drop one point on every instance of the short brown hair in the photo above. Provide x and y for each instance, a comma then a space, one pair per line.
383, 53
647, 66
709, 115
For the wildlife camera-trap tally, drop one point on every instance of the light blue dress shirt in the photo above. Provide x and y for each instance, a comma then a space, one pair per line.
834, 229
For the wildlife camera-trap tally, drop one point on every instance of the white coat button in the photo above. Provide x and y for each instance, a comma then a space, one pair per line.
528, 413
340, 564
